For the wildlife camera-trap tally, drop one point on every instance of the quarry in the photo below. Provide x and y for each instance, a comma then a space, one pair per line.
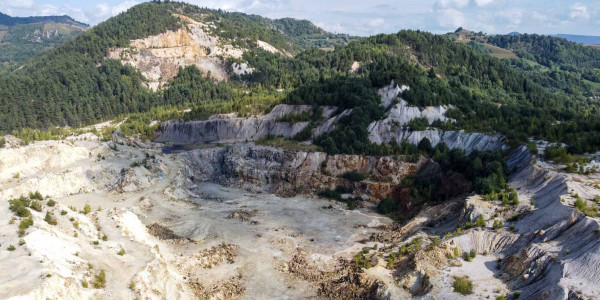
234, 219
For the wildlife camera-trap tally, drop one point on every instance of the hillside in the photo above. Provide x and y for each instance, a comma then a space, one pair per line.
159, 54
24, 38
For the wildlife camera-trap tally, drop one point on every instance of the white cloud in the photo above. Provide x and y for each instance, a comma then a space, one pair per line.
376, 22
451, 18
513, 16
17, 3
482, 3
579, 11
119, 8
444, 4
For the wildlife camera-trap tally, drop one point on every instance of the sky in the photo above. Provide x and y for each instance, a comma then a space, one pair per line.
368, 17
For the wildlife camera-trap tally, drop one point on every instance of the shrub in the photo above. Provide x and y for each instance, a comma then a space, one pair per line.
11, 248
582, 206
469, 256
36, 196
21, 242
386, 206
480, 221
87, 209
19, 206
418, 124
63, 212
121, 252
463, 285
100, 280
25, 223
354, 176
362, 260
498, 224
51, 203
50, 219
36, 205
84, 284
96, 243
456, 252
532, 148
501, 297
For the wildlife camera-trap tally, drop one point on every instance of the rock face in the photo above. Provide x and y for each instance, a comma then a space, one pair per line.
385, 132
227, 130
159, 57
288, 172
390, 93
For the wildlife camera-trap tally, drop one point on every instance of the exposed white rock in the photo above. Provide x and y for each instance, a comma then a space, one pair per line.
355, 66
390, 93
241, 69
329, 124
227, 130
269, 48
383, 132
159, 57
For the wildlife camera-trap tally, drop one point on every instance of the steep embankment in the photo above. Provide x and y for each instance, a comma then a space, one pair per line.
232, 129
554, 251
288, 173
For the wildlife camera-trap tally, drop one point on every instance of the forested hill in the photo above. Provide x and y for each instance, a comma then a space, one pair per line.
11, 21
24, 38
75, 84
555, 63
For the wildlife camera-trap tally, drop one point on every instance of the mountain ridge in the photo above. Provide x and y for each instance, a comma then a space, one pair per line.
11, 21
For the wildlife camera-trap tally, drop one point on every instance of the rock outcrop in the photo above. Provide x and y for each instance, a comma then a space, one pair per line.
287, 173
385, 132
228, 130
159, 57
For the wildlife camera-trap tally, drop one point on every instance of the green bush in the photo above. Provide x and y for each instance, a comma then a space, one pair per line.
463, 285
386, 206
87, 209
36, 205
36, 196
50, 219
100, 280
354, 176
51, 203
19, 206
498, 224
480, 221
11, 248
25, 223
582, 206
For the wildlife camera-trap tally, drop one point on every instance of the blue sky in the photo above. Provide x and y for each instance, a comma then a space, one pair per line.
366, 17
